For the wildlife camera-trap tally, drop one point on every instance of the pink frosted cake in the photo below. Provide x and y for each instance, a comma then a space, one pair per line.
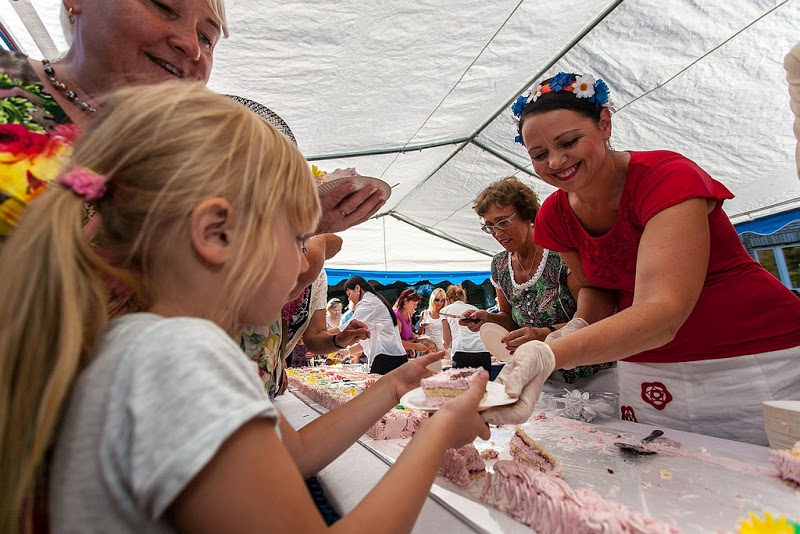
787, 463
448, 385
463, 466
333, 386
524, 449
320, 177
549, 505
398, 423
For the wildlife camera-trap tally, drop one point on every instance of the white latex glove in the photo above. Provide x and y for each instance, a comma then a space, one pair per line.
522, 377
573, 326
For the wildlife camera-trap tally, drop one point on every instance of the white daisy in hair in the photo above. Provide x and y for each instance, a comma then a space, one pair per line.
536, 92
584, 86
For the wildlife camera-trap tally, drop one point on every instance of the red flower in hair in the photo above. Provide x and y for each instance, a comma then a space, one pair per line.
628, 414
656, 394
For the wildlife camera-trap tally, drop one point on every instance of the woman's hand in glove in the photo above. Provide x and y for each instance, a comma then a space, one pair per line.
523, 378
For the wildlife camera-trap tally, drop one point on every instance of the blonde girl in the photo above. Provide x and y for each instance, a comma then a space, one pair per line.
156, 421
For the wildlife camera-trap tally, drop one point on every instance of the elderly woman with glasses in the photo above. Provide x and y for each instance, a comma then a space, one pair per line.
536, 293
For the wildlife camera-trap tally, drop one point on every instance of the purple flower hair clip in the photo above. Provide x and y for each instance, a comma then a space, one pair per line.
84, 183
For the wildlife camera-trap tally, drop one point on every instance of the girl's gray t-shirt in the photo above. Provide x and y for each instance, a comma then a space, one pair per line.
151, 410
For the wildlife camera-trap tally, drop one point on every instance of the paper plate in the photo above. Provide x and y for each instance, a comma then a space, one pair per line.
495, 396
359, 181
491, 334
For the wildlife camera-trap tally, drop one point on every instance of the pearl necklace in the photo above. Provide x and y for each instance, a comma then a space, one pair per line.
61, 86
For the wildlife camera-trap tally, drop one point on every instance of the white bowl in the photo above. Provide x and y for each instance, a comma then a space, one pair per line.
782, 423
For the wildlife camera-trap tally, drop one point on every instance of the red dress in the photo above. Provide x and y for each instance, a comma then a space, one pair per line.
742, 308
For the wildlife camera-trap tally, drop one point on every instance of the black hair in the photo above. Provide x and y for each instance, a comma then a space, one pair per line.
561, 100
354, 281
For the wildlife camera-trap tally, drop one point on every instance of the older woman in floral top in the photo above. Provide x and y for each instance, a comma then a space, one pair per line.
536, 293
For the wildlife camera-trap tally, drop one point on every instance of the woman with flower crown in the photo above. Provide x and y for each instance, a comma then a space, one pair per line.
703, 332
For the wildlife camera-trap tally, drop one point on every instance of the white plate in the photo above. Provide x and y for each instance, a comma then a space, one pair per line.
491, 334
359, 181
496, 396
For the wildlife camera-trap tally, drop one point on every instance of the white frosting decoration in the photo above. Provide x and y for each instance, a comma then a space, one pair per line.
578, 406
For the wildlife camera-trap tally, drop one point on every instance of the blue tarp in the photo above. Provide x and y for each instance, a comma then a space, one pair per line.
769, 224
389, 277
764, 225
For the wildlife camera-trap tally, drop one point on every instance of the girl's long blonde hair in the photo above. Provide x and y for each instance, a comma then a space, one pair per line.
163, 149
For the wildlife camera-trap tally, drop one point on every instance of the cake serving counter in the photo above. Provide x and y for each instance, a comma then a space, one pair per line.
698, 483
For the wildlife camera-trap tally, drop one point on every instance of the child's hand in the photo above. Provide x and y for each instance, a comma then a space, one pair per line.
407, 376
459, 418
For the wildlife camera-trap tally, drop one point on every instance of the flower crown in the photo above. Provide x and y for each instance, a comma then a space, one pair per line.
586, 86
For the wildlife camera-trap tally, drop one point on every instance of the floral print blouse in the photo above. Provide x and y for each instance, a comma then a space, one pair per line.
36, 138
543, 300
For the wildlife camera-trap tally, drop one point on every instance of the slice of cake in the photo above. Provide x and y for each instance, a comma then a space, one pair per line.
463, 466
787, 463
448, 385
524, 449
549, 505
320, 176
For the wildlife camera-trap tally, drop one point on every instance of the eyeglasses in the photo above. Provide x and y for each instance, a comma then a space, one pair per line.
439, 300
502, 224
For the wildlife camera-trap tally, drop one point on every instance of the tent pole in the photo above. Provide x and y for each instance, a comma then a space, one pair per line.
441, 235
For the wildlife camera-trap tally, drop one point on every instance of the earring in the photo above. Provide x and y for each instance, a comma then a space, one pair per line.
71, 15
608, 146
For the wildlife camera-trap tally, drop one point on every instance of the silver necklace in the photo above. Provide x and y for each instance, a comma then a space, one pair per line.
61, 86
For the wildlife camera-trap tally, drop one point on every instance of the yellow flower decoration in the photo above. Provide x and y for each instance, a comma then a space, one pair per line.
317, 171
769, 525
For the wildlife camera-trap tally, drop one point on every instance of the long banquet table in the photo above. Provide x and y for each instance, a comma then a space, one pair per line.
703, 484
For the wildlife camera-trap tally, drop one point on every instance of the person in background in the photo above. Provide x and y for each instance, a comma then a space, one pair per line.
347, 314
465, 346
383, 348
404, 309
97, 430
431, 321
536, 293
333, 313
703, 333
114, 44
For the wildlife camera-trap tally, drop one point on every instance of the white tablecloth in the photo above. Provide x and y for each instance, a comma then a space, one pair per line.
349, 478
704, 484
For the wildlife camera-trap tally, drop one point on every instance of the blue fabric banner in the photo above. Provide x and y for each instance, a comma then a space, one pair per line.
769, 224
409, 277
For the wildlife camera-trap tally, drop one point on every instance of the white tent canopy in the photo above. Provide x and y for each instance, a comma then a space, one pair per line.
417, 94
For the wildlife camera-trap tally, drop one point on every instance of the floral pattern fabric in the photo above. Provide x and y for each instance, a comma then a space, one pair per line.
36, 138
545, 301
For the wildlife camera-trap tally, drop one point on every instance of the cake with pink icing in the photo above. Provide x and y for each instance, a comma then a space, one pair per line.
547, 504
463, 466
320, 177
398, 423
333, 386
787, 463
524, 449
442, 387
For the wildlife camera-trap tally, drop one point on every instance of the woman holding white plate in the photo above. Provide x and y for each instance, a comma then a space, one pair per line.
536, 293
